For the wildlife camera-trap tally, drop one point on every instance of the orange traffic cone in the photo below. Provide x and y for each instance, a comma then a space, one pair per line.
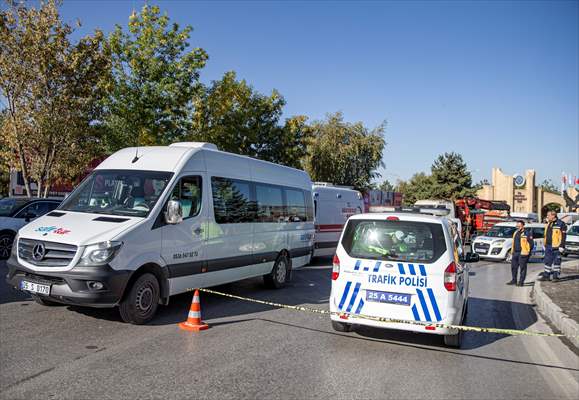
194, 322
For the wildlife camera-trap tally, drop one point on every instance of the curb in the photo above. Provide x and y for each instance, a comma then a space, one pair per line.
553, 312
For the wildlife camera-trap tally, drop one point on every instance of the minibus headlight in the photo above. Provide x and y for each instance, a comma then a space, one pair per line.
100, 253
14, 246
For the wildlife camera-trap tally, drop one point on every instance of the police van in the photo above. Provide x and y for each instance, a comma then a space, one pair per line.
401, 265
333, 206
152, 222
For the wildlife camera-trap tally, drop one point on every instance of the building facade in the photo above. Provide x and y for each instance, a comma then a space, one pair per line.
522, 194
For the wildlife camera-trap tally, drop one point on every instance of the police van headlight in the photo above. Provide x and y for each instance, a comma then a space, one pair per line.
100, 253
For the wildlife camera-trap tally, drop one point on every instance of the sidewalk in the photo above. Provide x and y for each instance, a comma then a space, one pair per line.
558, 301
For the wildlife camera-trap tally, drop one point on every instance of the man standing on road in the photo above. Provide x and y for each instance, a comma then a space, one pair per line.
521, 251
555, 234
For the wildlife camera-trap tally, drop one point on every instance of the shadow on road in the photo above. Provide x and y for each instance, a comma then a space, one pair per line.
309, 285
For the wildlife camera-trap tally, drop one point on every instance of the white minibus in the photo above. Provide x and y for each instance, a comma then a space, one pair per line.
152, 222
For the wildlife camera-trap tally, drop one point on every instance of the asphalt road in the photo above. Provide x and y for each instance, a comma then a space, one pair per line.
253, 351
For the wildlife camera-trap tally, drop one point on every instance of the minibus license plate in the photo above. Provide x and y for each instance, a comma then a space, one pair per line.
35, 287
388, 297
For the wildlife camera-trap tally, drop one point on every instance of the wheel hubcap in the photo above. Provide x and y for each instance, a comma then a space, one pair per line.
5, 245
281, 272
145, 299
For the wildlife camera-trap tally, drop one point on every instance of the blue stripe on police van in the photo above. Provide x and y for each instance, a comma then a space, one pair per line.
345, 295
357, 265
415, 312
353, 299
377, 266
360, 305
422, 270
434, 304
424, 306
412, 270
401, 268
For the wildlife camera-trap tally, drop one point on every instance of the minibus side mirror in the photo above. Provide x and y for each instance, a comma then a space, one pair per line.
471, 258
174, 212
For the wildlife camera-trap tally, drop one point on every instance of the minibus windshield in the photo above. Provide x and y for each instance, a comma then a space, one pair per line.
118, 192
408, 241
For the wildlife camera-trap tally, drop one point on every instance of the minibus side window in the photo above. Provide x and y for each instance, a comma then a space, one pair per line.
188, 192
270, 205
310, 208
296, 205
232, 201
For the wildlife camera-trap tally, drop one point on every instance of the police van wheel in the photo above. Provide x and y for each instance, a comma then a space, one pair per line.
453, 340
43, 301
280, 273
341, 327
141, 302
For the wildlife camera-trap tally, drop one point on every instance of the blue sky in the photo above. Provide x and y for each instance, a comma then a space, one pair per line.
495, 81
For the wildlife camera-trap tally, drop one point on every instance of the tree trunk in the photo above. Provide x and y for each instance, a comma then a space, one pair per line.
24, 169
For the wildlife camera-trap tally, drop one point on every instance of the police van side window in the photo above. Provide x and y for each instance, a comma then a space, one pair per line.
232, 201
188, 192
270, 204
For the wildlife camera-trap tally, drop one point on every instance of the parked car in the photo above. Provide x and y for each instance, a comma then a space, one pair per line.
496, 244
572, 240
15, 212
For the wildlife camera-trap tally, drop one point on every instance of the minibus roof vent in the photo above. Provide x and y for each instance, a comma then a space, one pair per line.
195, 145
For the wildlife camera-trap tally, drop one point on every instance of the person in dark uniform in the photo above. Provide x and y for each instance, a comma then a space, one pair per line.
555, 235
521, 251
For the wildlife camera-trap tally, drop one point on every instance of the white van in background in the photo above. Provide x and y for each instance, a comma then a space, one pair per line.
152, 222
333, 206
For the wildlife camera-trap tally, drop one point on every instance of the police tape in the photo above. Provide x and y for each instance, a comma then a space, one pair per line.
500, 331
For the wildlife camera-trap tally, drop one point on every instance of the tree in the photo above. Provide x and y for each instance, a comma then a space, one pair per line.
51, 88
386, 186
154, 81
238, 119
451, 177
344, 153
420, 187
549, 186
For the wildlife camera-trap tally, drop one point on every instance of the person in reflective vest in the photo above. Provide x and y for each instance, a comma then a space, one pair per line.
555, 235
521, 251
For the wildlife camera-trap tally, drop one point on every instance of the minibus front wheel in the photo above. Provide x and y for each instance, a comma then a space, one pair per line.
141, 301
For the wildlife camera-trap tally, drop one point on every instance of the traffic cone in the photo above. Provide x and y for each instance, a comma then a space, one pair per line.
194, 322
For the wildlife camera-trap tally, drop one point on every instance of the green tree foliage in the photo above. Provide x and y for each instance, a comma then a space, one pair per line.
451, 177
238, 119
549, 186
386, 186
419, 187
344, 153
155, 79
51, 87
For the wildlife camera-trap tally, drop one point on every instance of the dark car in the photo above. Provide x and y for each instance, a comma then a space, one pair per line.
17, 212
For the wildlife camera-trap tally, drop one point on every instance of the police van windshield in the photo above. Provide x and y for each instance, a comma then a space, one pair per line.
394, 240
501, 231
118, 192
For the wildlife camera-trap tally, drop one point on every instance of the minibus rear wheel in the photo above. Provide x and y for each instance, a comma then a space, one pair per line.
280, 273
141, 301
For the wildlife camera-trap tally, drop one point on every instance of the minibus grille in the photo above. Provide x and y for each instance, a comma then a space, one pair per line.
46, 254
